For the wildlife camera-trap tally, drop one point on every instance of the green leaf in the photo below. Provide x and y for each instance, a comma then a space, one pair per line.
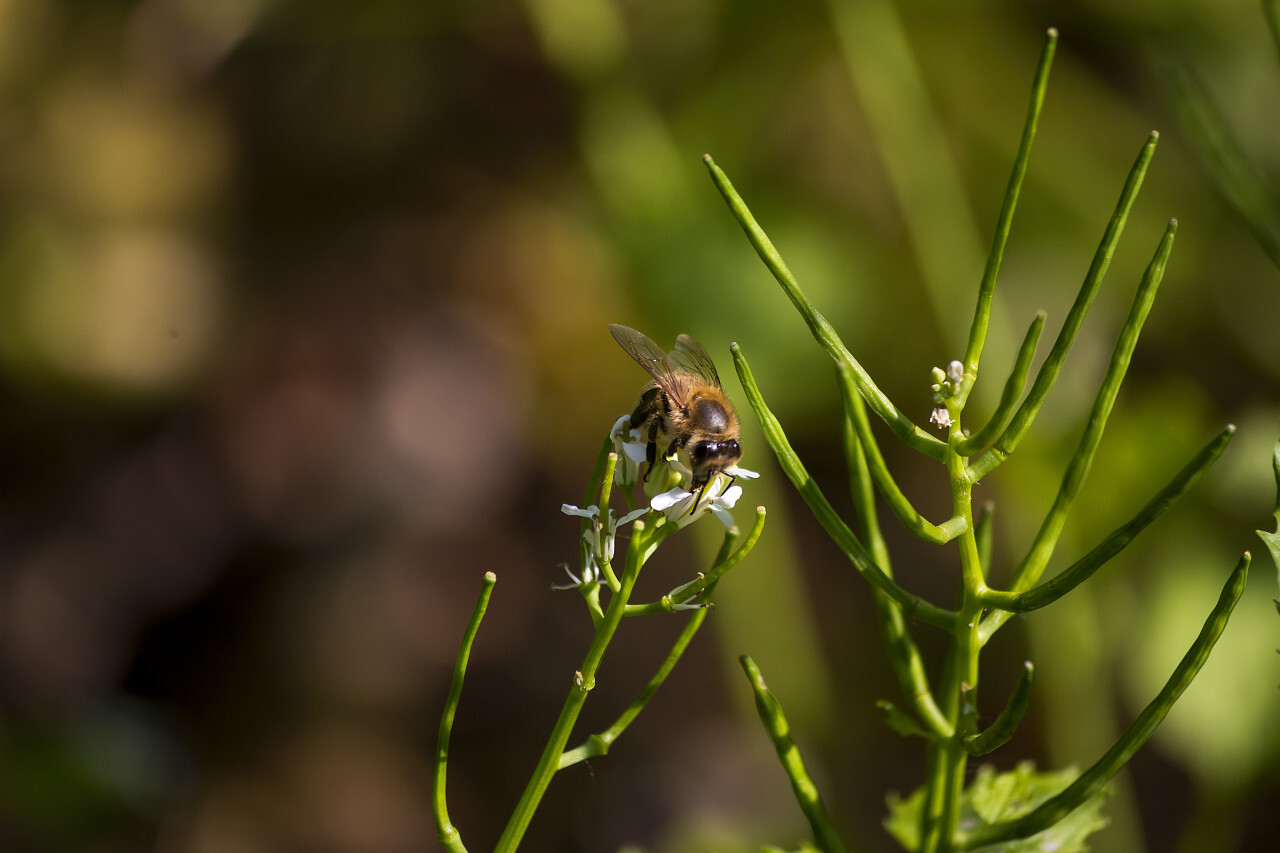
900, 721
1272, 541
998, 797
903, 822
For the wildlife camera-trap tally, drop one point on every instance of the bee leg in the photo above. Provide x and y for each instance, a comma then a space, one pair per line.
645, 412
651, 451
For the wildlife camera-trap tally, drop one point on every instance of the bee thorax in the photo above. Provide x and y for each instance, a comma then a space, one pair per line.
710, 414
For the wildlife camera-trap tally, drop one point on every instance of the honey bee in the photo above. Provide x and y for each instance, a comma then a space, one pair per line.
683, 404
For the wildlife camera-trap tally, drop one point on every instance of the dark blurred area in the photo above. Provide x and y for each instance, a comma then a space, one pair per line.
303, 312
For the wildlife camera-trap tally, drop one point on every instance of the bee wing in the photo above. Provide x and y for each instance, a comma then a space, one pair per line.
648, 355
693, 357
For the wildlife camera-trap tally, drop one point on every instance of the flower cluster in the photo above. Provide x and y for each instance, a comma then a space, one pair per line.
946, 384
597, 541
669, 488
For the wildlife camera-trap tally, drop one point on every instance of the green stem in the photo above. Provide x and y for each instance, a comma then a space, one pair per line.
921, 167
1248, 188
1033, 565
1271, 8
939, 776
775, 722
983, 533
1049, 370
597, 472
999, 732
912, 605
903, 653
822, 330
1091, 781
726, 558
963, 682
1069, 578
448, 834
982, 314
583, 682
599, 744
855, 412
719, 569
606, 490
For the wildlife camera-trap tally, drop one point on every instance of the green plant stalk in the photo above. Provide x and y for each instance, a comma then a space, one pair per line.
1032, 566
926, 182
597, 472
606, 489
962, 684
1272, 538
1000, 731
912, 605
855, 412
982, 313
938, 759
599, 744
1091, 781
775, 722
1049, 370
583, 682
1275, 470
1244, 185
672, 601
822, 330
1271, 8
903, 653
1069, 578
1271, 11
448, 834
719, 569
982, 531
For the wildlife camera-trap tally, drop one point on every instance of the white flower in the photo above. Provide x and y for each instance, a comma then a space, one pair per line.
631, 448
598, 540
678, 504
941, 417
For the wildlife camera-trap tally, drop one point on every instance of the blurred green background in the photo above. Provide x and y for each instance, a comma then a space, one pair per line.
303, 312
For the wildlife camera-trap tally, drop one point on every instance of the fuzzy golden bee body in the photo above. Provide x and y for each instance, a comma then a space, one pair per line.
684, 405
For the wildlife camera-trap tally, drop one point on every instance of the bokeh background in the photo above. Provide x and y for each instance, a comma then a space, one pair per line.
302, 330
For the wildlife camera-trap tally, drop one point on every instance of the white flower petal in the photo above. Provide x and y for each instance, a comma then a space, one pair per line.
735, 471
590, 512
730, 497
723, 515
679, 467
669, 498
632, 516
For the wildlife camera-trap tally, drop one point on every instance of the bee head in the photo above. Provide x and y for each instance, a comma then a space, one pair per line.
709, 458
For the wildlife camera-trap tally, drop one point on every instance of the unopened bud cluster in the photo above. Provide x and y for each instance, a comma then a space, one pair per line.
946, 384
